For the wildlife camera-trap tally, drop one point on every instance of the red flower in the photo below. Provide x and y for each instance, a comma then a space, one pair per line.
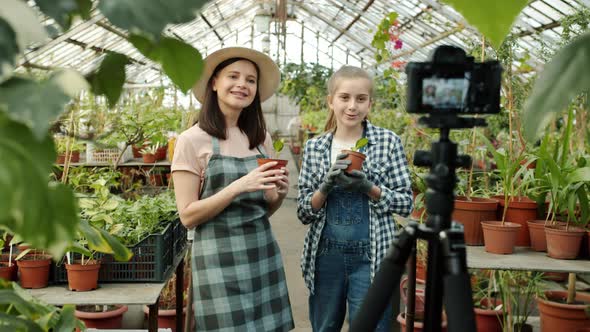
398, 44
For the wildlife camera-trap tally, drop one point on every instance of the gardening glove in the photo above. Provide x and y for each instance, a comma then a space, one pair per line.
337, 169
354, 181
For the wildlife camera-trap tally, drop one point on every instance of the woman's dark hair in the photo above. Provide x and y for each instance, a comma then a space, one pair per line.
251, 120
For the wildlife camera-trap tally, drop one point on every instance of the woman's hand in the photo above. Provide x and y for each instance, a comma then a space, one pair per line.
279, 192
260, 178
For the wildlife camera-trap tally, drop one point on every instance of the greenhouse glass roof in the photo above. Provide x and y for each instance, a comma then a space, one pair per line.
328, 32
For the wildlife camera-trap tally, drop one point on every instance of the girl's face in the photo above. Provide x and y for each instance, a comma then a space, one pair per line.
350, 101
236, 85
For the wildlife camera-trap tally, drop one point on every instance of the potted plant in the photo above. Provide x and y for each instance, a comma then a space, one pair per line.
33, 266
8, 269
101, 316
500, 236
357, 158
68, 145
517, 290
277, 145
148, 153
82, 273
488, 307
167, 305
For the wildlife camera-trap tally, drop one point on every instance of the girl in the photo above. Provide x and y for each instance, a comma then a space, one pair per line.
351, 216
227, 199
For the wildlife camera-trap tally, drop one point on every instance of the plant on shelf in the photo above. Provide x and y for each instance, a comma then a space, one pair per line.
149, 152
517, 291
33, 266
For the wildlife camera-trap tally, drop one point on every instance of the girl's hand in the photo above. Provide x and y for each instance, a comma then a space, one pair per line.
283, 184
260, 178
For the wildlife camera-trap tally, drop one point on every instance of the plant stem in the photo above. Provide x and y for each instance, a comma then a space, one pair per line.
571, 288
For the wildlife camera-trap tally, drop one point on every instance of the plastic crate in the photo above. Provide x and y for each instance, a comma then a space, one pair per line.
107, 156
152, 259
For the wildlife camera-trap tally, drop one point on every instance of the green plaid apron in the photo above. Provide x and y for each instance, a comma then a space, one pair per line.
238, 276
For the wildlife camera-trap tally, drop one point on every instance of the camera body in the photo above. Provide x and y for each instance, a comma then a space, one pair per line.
452, 83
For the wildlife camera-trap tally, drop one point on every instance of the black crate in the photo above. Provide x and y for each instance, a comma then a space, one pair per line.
152, 259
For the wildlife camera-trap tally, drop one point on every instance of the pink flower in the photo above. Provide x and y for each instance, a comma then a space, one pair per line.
398, 44
398, 64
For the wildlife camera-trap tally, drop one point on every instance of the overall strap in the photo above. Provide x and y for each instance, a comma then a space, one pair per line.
262, 150
215, 142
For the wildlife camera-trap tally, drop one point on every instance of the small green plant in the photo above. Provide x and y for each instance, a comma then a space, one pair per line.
360, 144
278, 145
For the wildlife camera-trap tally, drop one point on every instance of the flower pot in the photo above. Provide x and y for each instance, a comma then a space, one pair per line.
281, 162
166, 317
296, 149
149, 158
161, 152
556, 315
8, 272
471, 213
34, 272
498, 238
488, 320
420, 298
418, 325
110, 319
135, 150
520, 210
562, 243
356, 159
537, 235
81, 277
74, 158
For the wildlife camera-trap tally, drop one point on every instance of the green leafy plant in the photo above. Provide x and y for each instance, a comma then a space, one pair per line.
278, 145
360, 143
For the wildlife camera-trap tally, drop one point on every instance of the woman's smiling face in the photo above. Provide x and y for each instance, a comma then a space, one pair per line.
236, 85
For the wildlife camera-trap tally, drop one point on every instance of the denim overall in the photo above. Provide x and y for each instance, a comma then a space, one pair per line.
343, 263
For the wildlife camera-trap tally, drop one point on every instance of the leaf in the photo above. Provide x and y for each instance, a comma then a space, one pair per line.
278, 145
61, 10
101, 241
24, 21
361, 143
562, 79
180, 61
14, 323
43, 214
8, 50
492, 18
38, 104
67, 319
108, 80
150, 16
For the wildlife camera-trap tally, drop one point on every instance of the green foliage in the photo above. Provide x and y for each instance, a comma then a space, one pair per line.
21, 312
557, 85
64, 11
360, 143
306, 84
180, 61
9, 48
149, 16
381, 37
278, 145
61, 144
314, 121
492, 18
109, 78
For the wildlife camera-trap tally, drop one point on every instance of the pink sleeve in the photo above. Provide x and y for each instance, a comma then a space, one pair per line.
186, 156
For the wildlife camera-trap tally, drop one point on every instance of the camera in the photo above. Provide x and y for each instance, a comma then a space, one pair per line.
452, 83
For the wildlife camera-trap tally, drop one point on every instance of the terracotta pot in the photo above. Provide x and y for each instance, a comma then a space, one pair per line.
520, 210
555, 276
148, 158
34, 273
112, 319
8, 272
161, 152
562, 243
488, 320
281, 162
418, 326
537, 235
135, 150
420, 298
556, 315
296, 149
83, 278
356, 159
498, 238
74, 158
471, 213
166, 317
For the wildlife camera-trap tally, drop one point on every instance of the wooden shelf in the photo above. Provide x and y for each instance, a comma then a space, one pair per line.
129, 293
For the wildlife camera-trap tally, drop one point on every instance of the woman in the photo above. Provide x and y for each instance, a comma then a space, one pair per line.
221, 193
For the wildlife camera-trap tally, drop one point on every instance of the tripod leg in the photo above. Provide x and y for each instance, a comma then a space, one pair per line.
388, 277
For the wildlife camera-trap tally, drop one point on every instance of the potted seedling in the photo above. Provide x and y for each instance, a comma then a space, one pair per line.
355, 156
83, 272
278, 146
148, 153
33, 266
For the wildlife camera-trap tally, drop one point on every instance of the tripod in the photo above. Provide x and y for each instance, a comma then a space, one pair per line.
447, 275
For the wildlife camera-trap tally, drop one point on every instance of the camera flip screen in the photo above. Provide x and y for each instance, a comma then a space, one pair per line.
444, 93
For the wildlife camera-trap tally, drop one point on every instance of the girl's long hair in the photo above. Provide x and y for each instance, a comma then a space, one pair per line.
345, 72
251, 120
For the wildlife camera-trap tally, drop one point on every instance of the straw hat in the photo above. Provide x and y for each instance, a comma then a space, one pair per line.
268, 70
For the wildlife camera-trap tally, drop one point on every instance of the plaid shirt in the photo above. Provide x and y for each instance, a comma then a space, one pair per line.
386, 166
